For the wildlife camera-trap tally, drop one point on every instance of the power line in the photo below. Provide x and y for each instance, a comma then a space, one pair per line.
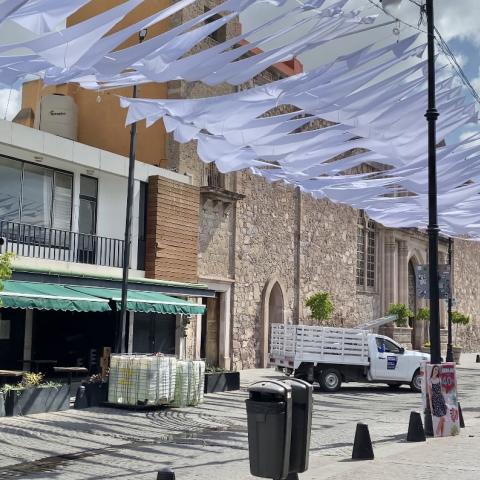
443, 45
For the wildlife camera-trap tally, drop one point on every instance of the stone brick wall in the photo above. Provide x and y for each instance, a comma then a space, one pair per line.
328, 261
466, 281
215, 235
264, 251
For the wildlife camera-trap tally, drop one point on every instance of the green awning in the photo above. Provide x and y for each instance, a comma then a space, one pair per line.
145, 302
49, 296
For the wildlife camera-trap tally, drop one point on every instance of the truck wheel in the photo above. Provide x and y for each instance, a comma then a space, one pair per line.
416, 383
330, 380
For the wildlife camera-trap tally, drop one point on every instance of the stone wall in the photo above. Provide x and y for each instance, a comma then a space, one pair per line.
466, 284
264, 251
328, 262
216, 230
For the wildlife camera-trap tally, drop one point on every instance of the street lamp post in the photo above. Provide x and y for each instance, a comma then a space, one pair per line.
432, 116
128, 221
450, 301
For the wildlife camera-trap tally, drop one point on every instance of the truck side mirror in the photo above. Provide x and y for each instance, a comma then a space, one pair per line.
401, 351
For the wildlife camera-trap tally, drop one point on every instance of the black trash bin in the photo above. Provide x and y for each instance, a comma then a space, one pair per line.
269, 414
302, 403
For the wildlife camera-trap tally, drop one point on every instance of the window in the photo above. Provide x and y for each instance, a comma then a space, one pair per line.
35, 195
387, 346
219, 35
366, 252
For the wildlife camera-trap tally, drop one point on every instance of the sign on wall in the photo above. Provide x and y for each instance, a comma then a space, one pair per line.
423, 283
439, 389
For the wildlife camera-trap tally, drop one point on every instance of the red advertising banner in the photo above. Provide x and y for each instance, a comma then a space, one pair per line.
439, 389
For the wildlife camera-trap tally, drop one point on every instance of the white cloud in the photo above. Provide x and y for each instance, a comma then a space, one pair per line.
10, 103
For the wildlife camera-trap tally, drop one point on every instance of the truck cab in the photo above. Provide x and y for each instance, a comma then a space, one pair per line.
392, 363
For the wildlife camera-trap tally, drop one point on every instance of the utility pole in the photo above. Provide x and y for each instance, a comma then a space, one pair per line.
128, 222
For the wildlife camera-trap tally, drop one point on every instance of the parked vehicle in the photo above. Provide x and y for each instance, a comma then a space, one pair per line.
331, 356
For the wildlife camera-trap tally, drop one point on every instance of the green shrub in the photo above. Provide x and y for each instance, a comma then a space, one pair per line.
423, 314
402, 312
321, 306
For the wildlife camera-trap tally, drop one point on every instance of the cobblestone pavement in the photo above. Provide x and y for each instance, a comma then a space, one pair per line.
207, 442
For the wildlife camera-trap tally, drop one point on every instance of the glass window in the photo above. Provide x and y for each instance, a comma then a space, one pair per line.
62, 201
366, 252
37, 195
360, 252
88, 187
10, 189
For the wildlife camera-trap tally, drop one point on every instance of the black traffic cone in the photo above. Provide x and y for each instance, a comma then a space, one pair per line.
416, 433
362, 445
478, 358
166, 474
460, 414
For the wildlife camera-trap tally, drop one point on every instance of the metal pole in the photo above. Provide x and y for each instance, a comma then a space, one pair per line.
432, 115
449, 343
128, 221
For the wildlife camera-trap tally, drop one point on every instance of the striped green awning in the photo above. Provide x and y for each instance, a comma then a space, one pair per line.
49, 296
145, 302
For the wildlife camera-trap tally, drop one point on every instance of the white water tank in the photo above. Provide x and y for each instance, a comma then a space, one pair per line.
58, 114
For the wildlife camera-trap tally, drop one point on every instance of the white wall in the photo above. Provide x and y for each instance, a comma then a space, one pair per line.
111, 170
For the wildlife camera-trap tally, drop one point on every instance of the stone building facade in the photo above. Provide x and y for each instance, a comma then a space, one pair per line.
265, 248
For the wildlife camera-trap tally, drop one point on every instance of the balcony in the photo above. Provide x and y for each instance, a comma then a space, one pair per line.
214, 185
53, 244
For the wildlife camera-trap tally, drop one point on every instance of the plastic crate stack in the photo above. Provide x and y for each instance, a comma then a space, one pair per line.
138, 380
189, 383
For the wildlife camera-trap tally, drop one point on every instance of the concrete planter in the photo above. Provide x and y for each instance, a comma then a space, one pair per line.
37, 400
222, 382
402, 335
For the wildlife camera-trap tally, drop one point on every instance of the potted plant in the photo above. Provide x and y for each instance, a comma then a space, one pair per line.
402, 312
321, 306
219, 380
458, 319
96, 390
399, 329
34, 395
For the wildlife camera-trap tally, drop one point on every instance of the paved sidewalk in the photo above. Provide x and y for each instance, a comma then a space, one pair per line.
210, 442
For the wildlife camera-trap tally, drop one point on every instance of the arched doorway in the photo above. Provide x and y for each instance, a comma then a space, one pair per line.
273, 306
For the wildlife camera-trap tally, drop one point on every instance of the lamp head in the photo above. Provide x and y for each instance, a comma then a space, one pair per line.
391, 5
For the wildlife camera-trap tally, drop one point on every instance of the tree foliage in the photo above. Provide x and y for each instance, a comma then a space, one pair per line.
321, 306
5, 268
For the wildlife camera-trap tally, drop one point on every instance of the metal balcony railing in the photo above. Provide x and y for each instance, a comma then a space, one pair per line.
54, 244
211, 177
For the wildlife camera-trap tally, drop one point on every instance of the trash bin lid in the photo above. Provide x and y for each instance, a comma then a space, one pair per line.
269, 389
301, 391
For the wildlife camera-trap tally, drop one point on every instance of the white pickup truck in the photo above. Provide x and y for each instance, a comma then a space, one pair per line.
331, 356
